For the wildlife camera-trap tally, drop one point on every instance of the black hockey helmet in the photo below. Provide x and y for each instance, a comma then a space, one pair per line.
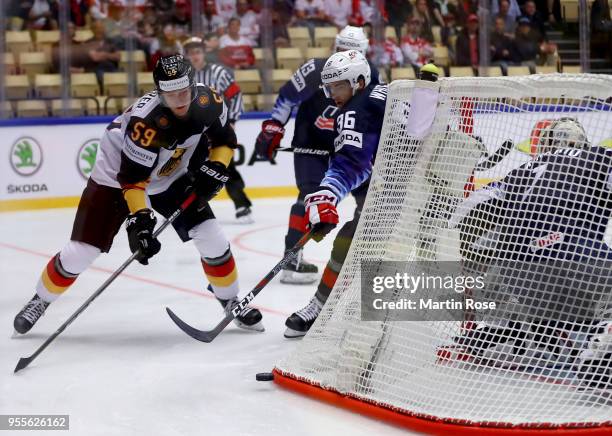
172, 73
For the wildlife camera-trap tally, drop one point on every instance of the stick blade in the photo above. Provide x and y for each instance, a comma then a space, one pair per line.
199, 335
23, 362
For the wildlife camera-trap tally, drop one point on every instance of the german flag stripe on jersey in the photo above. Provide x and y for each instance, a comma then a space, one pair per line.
329, 277
55, 278
221, 271
297, 222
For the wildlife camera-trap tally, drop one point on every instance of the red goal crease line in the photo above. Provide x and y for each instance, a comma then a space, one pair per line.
431, 424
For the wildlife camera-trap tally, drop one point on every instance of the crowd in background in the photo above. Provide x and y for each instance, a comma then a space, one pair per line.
232, 28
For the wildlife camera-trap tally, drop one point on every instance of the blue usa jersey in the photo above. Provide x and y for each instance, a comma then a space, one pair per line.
304, 84
358, 125
558, 206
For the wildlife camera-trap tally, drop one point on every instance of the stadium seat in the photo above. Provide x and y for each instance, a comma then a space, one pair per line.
570, 11
32, 108
18, 42
546, 69
17, 86
572, 69
6, 110
279, 77
300, 38
325, 36
138, 57
83, 35
402, 73
248, 103
84, 85
265, 102
289, 58
383, 75
145, 82
518, 71
318, 52
98, 103
248, 80
461, 72
437, 34
9, 63
48, 85
125, 102
115, 84
44, 41
490, 72
441, 56
391, 33
261, 55
33, 63
74, 109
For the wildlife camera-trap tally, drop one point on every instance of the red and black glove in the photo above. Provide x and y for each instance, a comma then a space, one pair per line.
269, 139
321, 213
210, 178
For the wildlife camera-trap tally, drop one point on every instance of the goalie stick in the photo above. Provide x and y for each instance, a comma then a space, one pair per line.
209, 335
25, 361
496, 157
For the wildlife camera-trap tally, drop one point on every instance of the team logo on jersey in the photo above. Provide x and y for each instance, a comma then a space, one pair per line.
86, 158
163, 122
26, 156
173, 163
203, 100
546, 241
325, 121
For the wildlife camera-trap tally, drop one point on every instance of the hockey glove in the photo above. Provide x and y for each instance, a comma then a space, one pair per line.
268, 140
210, 178
321, 213
140, 227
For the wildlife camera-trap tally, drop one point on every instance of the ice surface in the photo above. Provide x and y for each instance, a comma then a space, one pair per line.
123, 368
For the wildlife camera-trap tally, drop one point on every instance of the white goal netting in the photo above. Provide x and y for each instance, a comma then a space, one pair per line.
505, 177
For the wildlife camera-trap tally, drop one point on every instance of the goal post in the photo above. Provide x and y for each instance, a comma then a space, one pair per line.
431, 206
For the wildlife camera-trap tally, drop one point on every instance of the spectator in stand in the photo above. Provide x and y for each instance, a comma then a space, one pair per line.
338, 11
366, 11
550, 10
465, 9
147, 27
416, 49
249, 27
467, 44
449, 35
226, 9
236, 51
535, 18
165, 44
211, 46
386, 54
38, 14
164, 9
531, 48
601, 29
309, 13
113, 19
399, 11
211, 20
502, 46
98, 54
508, 11
181, 18
423, 13
280, 34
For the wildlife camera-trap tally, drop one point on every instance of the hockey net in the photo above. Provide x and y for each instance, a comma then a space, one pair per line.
424, 373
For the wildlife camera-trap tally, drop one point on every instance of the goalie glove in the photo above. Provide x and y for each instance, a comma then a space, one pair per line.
140, 227
209, 179
269, 139
321, 213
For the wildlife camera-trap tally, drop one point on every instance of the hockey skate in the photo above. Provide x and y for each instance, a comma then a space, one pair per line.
244, 215
299, 272
249, 319
300, 322
30, 314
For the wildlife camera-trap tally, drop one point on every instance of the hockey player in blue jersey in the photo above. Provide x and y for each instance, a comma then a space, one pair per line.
311, 145
346, 78
551, 212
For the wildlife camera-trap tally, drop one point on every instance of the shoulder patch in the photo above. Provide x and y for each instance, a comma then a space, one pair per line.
203, 100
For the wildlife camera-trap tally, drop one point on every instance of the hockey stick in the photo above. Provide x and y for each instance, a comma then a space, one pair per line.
209, 335
25, 361
496, 157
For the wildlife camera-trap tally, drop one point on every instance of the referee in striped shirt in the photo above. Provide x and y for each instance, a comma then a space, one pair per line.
222, 79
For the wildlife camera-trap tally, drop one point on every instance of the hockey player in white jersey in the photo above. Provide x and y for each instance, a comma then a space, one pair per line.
169, 143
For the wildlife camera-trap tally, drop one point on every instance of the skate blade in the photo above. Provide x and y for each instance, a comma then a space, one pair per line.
294, 334
293, 278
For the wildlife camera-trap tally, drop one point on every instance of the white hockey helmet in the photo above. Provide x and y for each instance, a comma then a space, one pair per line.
566, 132
352, 38
346, 65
